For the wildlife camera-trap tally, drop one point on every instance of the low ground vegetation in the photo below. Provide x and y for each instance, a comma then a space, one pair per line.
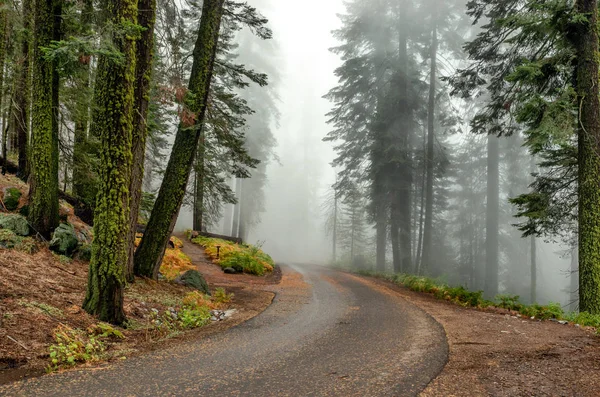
244, 258
462, 296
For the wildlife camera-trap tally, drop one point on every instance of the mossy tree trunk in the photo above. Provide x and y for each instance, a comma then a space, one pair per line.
3, 39
112, 121
199, 171
585, 40
22, 93
143, 75
43, 195
149, 254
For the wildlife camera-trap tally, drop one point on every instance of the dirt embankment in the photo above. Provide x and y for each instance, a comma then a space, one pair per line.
501, 354
41, 292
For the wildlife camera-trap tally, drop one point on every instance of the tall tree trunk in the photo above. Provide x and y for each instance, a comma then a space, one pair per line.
381, 222
84, 185
56, 36
43, 194
199, 188
533, 263
149, 254
492, 215
395, 215
428, 228
228, 214
112, 123
22, 93
335, 226
403, 193
585, 38
237, 208
418, 260
533, 254
144, 49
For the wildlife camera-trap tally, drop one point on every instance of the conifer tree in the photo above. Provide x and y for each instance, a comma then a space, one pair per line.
43, 195
148, 256
112, 123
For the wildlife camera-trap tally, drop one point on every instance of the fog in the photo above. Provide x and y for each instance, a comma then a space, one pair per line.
295, 225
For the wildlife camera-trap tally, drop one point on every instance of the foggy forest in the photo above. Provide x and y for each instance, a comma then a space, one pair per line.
170, 165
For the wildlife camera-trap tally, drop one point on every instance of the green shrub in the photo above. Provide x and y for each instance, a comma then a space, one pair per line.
241, 257
584, 318
73, 346
221, 296
194, 317
509, 302
552, 310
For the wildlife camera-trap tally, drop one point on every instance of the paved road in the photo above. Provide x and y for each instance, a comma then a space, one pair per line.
340, 336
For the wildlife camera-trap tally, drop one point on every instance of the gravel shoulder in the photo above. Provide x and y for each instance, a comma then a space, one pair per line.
496, 354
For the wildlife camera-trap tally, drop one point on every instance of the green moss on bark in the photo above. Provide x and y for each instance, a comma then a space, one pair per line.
144, 55
585, 40
43, 196
160, 226
112, 122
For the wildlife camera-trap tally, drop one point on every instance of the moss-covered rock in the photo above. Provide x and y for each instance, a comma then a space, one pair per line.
11, 197
15, 223
194, 279
64, 240
8, 239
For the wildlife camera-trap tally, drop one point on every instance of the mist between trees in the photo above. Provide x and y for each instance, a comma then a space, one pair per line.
465, 135
461, 130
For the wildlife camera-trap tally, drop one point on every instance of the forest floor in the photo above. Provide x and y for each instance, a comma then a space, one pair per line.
498, 353
41, 292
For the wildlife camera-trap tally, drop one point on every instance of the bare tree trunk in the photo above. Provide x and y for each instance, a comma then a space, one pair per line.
427, 235
492, 221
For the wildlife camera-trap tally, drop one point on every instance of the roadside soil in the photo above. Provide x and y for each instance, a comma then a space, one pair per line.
497, 353
39, 293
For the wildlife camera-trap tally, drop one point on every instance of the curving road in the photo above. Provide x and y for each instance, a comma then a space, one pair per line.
340, 335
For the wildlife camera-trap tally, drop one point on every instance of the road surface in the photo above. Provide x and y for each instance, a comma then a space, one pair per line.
333, 334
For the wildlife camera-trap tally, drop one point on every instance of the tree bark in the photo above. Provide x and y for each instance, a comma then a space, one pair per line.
395, 215
143, 74
237, 209
148, 256
112, 123
199, 188
403, 191
22, 94
84, 184
43, 194
428, 227
492, 215
585, 40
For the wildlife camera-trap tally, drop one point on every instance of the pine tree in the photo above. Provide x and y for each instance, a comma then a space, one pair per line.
43, 196
143, 74
112, 123
22, 92
584, 38
152, 247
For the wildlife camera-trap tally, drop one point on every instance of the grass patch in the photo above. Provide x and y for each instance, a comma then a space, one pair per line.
464, 297
43, 308
241, 257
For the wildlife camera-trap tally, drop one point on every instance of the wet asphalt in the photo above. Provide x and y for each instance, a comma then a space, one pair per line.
339, 336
